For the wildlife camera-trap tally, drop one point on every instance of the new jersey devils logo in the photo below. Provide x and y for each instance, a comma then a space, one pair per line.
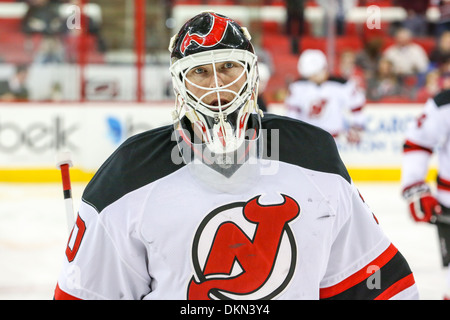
244, 250
317, 108
213, 37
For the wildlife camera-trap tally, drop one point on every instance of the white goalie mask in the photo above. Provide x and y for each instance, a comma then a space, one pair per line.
215, 80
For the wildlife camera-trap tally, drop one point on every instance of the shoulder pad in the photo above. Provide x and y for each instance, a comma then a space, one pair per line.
442, 98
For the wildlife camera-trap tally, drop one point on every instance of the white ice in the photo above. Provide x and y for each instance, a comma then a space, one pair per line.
33, 238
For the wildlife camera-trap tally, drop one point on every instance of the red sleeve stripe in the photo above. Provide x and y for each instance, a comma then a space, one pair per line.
443, 184
357, 109
397, 287
61, 295
412, 185
409, 146
360, 275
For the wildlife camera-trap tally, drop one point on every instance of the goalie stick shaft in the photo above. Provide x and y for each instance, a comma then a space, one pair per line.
67, 191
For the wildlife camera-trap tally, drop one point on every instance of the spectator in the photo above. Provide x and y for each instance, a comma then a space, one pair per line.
264, 77
416, 20
73, 40
94, 27
444, 81
408, 58
444, 17
348, 69
441, 53
43, 18
339, 9
432, 86
385, 83
15, 88
295, 22
51, 50
367, 59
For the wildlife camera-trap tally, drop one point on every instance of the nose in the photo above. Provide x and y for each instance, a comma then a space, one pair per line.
212, 81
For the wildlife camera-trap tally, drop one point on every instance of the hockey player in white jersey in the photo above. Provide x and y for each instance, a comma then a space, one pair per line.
430, 134
331, 103
226, 203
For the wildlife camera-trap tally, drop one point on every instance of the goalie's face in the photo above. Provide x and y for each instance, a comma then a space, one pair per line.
216, 86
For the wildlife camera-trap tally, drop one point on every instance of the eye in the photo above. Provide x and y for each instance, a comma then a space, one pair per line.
228, 65
199, 70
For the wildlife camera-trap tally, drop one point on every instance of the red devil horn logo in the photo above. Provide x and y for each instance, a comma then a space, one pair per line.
213, 37
255, 255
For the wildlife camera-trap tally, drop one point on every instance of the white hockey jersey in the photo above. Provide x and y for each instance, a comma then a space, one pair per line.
334, 105
148, 228
430, 133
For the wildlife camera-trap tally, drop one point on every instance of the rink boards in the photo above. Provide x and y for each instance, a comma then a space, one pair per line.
32, 134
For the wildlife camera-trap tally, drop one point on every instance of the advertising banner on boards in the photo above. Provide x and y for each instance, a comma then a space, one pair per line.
31, 135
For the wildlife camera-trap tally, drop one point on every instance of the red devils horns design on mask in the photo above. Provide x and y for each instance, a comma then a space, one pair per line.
213, 37
209, 31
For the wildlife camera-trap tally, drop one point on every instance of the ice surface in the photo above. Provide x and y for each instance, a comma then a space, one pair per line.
33, 237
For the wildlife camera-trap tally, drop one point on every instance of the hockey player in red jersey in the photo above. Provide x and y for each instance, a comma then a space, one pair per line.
331, 103
228, 203
430, 133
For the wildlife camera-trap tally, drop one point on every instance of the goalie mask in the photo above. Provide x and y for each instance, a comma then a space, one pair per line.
215, 80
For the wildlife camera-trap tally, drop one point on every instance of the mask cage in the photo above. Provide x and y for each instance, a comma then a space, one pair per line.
221, 126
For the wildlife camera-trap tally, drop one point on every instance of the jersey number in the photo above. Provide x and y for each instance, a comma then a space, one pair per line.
74, 245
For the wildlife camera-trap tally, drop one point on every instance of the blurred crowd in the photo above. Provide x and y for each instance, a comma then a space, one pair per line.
402, 70
57, 42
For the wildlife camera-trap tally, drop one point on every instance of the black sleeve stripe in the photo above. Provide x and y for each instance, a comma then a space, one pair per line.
397, 287
409, 146
390, 279
443, 184
337, 79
